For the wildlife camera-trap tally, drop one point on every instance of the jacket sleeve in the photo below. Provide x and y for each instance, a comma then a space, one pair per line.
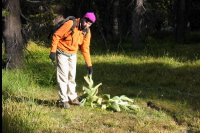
59, 34
85, 49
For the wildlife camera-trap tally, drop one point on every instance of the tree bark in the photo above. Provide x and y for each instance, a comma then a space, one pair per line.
181, 21
137, 24
60, 11
115, 21
12, 35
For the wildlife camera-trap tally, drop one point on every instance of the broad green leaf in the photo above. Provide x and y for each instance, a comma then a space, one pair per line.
88, 79
91, 99
123, 103
111, 100
116, 98
125, 98
106, 96
90, 92
95, 89
133, 107
108, 105
87, 91
115, 106
124, 106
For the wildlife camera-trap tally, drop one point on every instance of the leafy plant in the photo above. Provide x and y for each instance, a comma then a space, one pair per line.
116, 103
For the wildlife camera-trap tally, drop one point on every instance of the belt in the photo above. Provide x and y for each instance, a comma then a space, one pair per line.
64, 53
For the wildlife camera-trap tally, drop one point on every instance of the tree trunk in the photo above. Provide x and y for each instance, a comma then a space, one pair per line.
115, 22
181, 21
12, 35
137, 24
172, 14
60, 11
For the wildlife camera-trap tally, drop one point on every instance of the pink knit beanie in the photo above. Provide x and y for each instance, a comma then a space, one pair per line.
91, 16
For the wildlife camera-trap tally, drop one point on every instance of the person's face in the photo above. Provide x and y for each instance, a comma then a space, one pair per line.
86, 24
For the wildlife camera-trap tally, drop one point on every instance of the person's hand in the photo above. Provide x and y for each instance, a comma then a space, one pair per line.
89, 70
52, 56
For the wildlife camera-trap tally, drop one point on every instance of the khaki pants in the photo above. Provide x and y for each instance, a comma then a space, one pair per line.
66, 73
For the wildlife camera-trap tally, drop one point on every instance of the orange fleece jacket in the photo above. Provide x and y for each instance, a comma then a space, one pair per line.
65, 41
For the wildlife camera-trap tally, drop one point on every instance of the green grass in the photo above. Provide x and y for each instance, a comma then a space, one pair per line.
165, 78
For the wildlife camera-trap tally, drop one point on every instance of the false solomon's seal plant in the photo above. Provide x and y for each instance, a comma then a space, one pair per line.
116, 103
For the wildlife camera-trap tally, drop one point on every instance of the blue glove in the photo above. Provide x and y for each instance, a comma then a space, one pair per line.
89, 70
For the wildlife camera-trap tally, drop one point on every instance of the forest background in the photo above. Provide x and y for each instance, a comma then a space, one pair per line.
145, 49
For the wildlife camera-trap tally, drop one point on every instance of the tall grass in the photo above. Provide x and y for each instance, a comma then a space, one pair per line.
163, 80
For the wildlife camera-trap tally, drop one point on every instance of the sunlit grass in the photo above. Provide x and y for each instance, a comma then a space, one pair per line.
166, 78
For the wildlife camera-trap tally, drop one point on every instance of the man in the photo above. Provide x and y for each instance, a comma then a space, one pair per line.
64, 47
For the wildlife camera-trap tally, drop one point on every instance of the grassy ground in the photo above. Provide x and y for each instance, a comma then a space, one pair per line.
164, 81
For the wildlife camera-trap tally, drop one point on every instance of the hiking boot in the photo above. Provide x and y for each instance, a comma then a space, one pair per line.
75, 102
66, 105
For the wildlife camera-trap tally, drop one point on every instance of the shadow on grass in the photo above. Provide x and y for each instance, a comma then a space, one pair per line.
153, 80
147, 80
